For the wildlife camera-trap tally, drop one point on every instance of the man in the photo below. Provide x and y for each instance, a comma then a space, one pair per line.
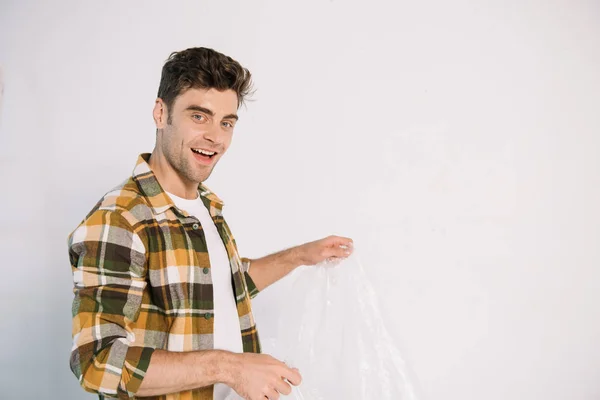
162, 299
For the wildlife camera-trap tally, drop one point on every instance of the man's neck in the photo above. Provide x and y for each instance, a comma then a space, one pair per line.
169, 179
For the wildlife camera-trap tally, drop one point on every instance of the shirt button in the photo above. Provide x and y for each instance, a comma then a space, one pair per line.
195, 226
207, 315
205, 270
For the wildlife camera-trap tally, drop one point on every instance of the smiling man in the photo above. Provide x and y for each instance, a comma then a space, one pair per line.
162, 298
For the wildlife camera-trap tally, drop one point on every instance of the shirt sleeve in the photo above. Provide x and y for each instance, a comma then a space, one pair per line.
108, 263
250, 285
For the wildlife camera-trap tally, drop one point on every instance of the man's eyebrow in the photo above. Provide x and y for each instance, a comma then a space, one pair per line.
194, 107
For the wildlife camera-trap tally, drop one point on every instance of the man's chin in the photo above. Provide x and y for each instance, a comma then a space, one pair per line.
203, 176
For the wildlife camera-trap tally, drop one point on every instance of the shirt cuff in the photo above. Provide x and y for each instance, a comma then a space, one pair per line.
136, 364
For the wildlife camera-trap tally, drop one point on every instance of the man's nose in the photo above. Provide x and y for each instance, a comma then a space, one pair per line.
211, 133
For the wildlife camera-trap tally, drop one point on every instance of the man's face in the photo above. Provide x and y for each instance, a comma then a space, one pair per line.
201, 121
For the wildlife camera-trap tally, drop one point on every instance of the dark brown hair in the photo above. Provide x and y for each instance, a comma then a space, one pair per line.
202, 68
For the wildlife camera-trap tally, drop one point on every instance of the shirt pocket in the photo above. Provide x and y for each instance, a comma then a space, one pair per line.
174, 269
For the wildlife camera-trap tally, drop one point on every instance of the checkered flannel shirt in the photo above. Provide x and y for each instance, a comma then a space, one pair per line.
142, 281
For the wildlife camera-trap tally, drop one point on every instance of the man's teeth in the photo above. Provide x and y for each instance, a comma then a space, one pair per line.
206, 153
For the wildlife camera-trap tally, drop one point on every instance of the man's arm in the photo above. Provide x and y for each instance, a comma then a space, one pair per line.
108, 265
252, 376
171, 372
267, 270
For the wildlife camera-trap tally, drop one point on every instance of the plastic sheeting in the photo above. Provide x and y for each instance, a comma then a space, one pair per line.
332, 331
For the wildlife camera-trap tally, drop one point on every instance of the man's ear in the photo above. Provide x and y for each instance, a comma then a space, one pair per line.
160, 113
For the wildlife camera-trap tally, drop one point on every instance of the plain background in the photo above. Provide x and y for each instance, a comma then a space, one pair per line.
456, 142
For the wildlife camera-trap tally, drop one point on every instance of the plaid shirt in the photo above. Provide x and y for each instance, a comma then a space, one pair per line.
142, 281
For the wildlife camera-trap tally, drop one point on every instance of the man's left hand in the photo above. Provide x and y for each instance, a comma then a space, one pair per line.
331, 248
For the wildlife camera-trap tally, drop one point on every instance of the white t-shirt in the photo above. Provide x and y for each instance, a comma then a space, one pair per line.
227, 335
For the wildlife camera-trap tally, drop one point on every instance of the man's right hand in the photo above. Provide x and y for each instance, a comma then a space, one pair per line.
260, 376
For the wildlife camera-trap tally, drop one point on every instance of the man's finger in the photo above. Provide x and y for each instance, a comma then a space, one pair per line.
338, 251
283, 388
340, 241
292, 375
272, 394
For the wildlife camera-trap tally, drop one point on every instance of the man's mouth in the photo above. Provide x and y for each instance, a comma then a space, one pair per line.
204, 156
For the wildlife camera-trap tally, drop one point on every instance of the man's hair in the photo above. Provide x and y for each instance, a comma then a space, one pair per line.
202, 68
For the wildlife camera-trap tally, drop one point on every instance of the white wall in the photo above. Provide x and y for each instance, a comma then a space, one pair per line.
456, 142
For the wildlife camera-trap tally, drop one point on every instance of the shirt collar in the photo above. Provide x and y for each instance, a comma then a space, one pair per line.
154, 193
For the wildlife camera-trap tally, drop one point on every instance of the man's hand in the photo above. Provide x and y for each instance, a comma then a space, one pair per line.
260, 376
331, 248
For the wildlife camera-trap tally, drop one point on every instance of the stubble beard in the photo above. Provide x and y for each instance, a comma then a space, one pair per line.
178, 156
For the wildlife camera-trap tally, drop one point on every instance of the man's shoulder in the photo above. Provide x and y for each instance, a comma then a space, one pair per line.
116, 220
125, 199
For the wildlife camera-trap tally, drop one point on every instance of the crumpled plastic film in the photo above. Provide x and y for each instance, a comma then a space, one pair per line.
332, 331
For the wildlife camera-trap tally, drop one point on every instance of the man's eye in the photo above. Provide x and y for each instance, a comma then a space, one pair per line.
198, 116
228, 124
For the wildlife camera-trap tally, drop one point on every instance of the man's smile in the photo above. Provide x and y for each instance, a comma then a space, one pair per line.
203, 156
